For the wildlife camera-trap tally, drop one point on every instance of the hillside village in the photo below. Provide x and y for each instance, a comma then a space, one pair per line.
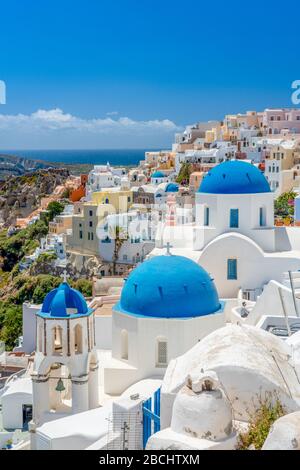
117, 285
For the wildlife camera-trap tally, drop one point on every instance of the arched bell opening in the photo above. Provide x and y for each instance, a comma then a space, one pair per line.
60, 389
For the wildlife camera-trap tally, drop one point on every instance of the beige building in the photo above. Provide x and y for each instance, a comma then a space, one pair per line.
280, 170
61, 224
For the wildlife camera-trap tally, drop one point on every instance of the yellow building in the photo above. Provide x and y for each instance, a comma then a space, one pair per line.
120, 200
90, 215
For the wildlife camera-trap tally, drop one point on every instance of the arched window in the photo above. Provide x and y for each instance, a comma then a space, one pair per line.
161, 352
124, 344
57, 346
78, 339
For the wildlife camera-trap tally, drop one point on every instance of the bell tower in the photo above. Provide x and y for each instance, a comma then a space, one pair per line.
65, 369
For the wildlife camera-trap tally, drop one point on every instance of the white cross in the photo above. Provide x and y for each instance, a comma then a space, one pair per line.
65, 275
168, 246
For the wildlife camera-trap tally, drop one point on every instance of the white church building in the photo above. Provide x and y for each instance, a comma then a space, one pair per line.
234, 237
167, 305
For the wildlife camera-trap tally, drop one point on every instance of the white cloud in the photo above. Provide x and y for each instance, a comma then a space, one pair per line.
53, 128
57, 119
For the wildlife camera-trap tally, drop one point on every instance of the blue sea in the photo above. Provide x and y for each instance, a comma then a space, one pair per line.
95, 157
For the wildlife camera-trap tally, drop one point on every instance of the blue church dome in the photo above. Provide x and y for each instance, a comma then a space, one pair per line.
172, 188
234, 177
64, 302
169, 287
157, 174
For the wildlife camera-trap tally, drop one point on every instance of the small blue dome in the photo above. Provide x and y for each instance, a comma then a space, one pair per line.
63, 302
169, 287
234, 177
157, 174
172, 188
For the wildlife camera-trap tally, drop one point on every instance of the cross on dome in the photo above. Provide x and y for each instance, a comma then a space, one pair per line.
65, 276
168, 246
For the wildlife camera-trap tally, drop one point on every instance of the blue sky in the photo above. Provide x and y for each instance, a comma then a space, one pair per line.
160, 64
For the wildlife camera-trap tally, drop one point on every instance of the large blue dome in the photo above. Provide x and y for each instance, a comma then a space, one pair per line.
64, 302
169, 287
234, 177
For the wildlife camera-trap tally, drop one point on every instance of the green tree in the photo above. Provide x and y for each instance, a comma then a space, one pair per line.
184, 174
45, 283
12, 325
84, 286
54, 208
22, 243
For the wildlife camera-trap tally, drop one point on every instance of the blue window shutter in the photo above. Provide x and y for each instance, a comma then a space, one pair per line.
206, 216
262, 219
234, 218
231, 269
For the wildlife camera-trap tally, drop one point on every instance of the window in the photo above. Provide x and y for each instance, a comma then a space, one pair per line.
92, 236
91, 223
78, 339
124, 257
89, 236
234, 218
91, 213
231, 269
80, 234
262, 216
162, 352
206, 216
124, 344
128, 199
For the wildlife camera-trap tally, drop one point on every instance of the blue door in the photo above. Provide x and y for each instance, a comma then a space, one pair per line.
151, 416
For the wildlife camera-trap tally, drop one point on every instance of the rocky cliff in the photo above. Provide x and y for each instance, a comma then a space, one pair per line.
19, 196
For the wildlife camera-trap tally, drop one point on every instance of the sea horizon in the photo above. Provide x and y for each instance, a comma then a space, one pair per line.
124, 156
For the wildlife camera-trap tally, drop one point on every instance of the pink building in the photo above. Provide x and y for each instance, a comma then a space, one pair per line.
277, 120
